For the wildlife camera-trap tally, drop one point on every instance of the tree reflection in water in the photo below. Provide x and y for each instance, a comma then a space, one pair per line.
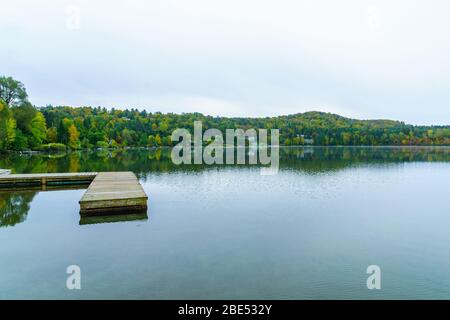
14, 207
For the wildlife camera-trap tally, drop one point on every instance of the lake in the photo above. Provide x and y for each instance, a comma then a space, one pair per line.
227, 232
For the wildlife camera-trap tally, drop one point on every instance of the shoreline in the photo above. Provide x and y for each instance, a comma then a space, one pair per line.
31, 152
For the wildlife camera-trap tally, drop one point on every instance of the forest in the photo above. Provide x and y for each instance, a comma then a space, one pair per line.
24, 126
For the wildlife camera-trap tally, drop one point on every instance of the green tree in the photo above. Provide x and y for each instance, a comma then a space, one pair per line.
7, 127
20, 141
151, 141
128, 137
38, 129
12, 91
10, 132
24, 114
4, 117
52, 135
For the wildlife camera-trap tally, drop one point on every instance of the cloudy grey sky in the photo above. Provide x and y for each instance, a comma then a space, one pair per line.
358, 58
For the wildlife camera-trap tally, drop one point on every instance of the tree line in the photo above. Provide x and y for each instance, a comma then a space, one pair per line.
24, 126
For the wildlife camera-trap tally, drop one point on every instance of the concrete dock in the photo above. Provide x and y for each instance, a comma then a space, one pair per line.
113, 192
108, 192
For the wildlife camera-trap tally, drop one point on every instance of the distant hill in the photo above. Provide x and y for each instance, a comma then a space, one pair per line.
102, 127
23, 126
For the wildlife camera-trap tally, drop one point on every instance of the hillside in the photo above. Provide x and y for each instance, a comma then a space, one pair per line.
100, 127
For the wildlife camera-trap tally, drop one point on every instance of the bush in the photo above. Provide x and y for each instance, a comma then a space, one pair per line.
102, 144
54, 147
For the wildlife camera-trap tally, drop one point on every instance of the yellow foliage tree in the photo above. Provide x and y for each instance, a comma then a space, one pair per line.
74, 136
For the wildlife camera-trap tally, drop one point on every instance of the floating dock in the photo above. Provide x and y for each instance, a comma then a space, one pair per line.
97, 219
113, 192
108, 192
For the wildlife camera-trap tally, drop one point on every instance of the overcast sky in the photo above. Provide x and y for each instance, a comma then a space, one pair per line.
357, 58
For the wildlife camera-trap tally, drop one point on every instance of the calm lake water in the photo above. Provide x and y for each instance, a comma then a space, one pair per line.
227, 232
